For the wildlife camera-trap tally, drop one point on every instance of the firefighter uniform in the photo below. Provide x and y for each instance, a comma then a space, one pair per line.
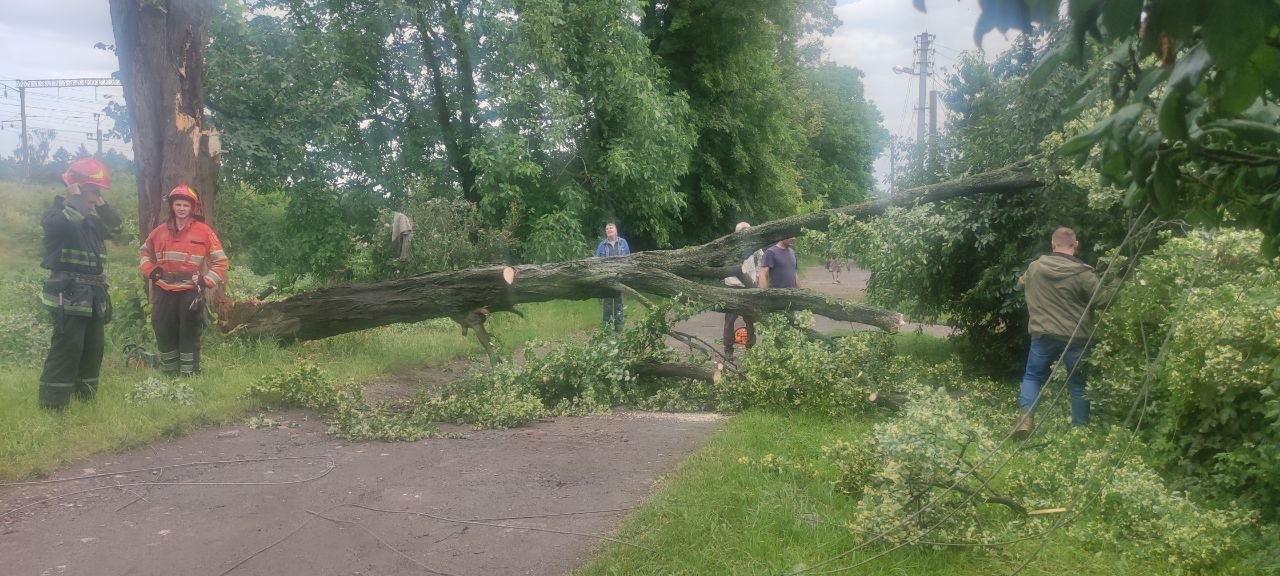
74, 250
170, 257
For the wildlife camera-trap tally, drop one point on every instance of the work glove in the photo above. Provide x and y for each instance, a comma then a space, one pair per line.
155, 274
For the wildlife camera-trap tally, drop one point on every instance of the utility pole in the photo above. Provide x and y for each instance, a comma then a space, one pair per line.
921, 69
97, 121
57, 83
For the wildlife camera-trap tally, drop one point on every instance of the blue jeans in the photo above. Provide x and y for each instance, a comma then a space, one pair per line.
1040, 358
613, 312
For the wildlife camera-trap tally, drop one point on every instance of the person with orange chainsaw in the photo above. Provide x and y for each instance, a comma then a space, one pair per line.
746, 334
182, 257
75, 253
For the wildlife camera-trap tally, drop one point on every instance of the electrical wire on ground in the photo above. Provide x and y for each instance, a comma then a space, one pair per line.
331, 466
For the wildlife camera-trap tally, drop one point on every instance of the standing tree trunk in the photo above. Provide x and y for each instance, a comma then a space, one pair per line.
161, 44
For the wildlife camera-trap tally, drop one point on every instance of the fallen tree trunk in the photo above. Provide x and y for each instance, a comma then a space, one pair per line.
667, 273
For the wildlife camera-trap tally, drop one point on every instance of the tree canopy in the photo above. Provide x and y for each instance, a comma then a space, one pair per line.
674, 119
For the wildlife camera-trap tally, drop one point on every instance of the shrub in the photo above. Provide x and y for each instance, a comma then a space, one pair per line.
1122, 502
935, 474
788, 368
1214, 416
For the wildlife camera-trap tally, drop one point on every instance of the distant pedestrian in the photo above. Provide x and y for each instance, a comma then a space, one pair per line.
613, 246
75, 253
778, 266
401, 235
1060, 290
751, 271
183, 258
835, 267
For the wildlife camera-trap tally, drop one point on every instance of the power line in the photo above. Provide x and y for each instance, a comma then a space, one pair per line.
23, 85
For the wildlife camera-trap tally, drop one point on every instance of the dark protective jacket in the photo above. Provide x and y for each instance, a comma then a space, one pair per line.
75, 250
1061, 290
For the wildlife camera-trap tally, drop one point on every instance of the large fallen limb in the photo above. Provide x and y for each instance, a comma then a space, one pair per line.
340, 309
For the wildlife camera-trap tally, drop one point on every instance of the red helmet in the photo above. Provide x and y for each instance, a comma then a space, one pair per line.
87, 171
184, 191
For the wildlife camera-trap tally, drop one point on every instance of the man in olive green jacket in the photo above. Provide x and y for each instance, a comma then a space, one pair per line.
1060, 291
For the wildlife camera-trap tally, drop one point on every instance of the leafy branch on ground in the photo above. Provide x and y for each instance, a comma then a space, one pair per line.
345, 409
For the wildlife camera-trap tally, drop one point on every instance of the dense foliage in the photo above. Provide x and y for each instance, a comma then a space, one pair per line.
1196, 334
1194, 129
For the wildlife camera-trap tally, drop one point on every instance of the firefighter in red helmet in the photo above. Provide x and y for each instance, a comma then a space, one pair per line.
183, 258
75, 252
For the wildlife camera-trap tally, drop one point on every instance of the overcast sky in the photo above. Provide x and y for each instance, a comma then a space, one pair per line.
46, 39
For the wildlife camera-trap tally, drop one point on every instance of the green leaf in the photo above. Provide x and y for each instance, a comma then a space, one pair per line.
1046, 66
1173, 117
1115, 164
1085, 141
1187, 72
1164, 185
1120, 17
1266, 59
1150, 79
1233, 29
1247, 130
1124, 119
1240, 88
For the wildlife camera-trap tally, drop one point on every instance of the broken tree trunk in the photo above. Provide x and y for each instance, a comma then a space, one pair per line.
667, 273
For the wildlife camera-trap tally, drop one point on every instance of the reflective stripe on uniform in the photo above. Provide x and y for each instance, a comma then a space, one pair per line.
80, 310
80, 257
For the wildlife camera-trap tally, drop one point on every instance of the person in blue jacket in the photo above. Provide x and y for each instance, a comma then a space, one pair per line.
611, 247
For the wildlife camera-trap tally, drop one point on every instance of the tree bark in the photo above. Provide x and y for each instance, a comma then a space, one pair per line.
160, 44
340, 309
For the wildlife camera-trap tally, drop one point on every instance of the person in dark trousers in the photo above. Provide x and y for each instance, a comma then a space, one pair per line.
778, 266
751, 271
75, 252
613, 246
183, 258
1060, 290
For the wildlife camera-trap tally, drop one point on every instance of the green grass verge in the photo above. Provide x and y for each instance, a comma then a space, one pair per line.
717, 515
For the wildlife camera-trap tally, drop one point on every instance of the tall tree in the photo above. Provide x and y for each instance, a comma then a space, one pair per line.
160, 44
740, 64
844, 135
